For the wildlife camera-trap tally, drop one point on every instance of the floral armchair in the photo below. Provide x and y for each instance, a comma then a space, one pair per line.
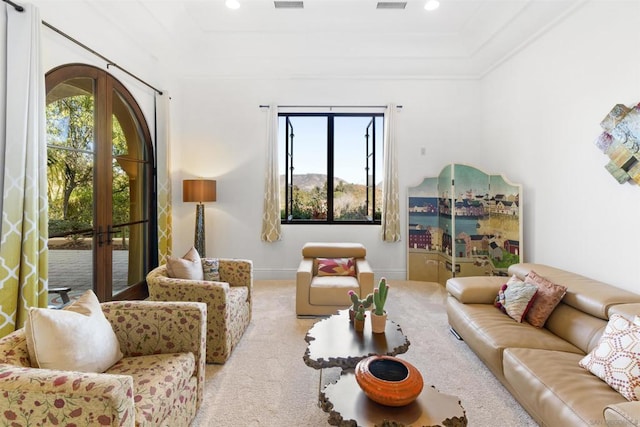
229, 301
159, 382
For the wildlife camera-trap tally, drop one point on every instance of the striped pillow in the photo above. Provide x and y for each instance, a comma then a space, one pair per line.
516, 297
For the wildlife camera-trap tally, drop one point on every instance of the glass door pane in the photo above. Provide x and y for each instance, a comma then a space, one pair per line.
70, 174
129, 202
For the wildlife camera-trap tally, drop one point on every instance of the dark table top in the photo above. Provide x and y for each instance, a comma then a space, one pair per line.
346, 403
333, 342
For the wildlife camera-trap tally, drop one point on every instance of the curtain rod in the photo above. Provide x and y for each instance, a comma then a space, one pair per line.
15, 6
329, 106
109, 62
104, 58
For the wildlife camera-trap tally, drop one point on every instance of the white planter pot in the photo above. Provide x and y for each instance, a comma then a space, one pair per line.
378, 322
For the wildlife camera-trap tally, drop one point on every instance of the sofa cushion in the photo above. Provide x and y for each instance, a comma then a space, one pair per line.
78, 338
336, 267
189, 267
616, 359
553, 388
332, 290
158, 380
548, 297
577, 327
488, 332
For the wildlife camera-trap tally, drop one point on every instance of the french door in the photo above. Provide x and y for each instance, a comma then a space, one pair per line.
100, 175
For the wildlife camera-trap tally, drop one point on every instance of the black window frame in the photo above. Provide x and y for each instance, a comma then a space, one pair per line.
286, 216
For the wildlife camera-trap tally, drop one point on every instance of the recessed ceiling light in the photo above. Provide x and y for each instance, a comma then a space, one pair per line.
391, 5
431, 5
232, 4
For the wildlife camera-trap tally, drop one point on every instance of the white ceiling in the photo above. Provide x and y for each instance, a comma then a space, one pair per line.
338, 38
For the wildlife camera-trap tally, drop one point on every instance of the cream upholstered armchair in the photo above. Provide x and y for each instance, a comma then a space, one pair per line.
228, 299
322, 291
159, 381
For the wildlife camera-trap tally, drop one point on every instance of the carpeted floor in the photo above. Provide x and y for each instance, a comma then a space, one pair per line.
266, 382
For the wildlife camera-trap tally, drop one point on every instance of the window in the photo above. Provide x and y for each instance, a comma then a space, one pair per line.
330, 168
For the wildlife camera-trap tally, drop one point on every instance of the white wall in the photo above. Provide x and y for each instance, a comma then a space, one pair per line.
220, 132
540, 115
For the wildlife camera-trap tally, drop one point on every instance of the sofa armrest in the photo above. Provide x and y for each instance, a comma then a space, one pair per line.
622, 414
365, 276
304, 274
13, 349
153, 327
236, 272
475, 290
33, 396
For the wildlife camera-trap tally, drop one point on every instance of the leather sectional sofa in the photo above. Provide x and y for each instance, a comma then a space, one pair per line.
540, 366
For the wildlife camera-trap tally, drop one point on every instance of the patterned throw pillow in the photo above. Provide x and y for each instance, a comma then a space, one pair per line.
616, 358
188, 267
336, 267
515, 298
211, 269
549, 296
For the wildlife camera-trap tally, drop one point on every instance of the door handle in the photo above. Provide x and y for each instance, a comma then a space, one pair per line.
110, 233
100, 235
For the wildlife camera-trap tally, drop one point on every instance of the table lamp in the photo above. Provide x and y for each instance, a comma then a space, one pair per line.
199, 191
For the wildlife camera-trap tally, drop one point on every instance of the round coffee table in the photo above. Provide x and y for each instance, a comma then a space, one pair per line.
348, 406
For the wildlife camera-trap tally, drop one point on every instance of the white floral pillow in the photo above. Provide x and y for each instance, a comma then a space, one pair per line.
616, 358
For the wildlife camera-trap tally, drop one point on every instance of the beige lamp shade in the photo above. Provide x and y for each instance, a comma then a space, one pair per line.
198, 190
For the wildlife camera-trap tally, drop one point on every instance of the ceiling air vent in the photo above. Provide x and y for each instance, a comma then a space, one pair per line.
391, 5
288, 4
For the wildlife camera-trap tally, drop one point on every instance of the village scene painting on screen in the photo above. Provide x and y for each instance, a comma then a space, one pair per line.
464, 222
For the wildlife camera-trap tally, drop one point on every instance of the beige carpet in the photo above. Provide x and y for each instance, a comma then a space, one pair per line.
266, 382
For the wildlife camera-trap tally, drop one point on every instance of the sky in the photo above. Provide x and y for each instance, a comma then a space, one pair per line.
310, 136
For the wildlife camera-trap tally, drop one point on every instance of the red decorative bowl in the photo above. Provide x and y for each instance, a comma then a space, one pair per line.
388, 380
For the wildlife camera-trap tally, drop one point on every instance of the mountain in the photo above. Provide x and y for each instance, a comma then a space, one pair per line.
309, 181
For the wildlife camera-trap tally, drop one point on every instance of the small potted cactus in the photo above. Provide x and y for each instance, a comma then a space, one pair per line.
358, 322
357, 302
378, 314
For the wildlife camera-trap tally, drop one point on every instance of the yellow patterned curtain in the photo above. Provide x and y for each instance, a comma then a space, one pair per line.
23, 246
390, 190
164, 177
271, 230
